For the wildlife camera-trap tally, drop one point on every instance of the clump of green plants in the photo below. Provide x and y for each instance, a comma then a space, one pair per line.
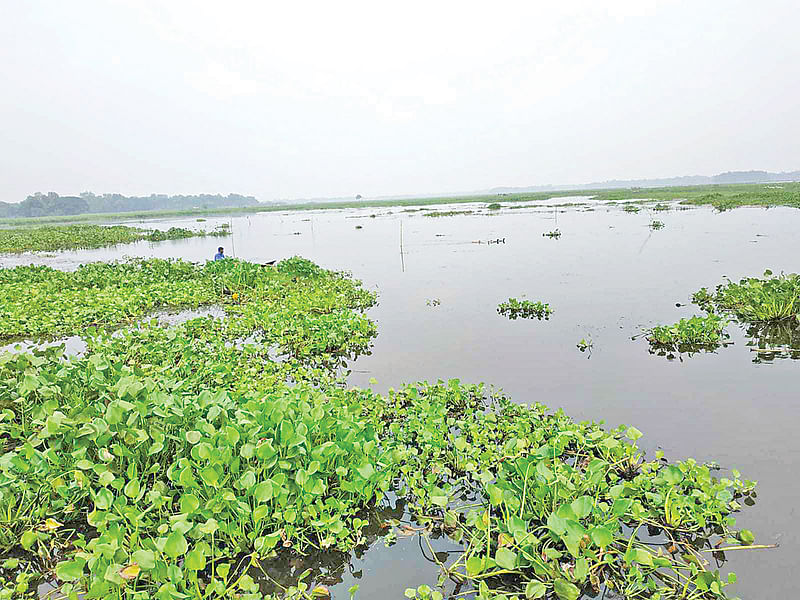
661, 207
172, 461
494, 206
524, 309
631, 208
447, 213
771, 298
655, 225
690, 335
553, 235
585, 345
70, 237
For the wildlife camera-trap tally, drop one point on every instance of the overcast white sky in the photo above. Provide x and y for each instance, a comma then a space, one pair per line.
304, 99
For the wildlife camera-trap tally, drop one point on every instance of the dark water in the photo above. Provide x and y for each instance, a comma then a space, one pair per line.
606, 277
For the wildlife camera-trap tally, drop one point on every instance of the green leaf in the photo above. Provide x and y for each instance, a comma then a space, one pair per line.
175, 545
28, 539
746, 537
565, 590
366, 470
263, 491
506, 558
582, 506
673, 475
534, 590
70, 570
210, 476
601, 536
132, 488
633, 434
474, 566
193, 436
189, 503
103, 499
495, 494
195, 560
145, 559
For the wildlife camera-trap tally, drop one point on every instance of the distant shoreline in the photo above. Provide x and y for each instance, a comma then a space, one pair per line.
722, 197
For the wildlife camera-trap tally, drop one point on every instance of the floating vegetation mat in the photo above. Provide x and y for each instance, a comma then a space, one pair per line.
767, 309
524, 309
689, 335
176, 461
71, 237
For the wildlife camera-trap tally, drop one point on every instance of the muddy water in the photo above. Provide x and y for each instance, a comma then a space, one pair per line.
606, 277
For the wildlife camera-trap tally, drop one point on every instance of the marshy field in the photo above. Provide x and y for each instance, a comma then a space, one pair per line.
527, 397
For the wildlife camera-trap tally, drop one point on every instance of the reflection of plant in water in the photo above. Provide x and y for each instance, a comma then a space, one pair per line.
774, 340
688, 335
524, 309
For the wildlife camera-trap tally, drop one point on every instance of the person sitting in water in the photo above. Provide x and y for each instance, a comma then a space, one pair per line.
220, 253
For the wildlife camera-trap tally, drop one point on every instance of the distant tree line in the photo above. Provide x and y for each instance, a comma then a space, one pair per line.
46, 205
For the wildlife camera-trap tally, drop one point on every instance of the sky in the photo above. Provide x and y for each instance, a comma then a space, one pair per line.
290, 100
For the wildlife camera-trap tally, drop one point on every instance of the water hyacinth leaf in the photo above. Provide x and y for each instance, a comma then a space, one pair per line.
557, 525
633, 434
582, 506
746, 537
195, 560
210, 476
565, 590
193, 436
495, 494
175, 545
189, 503
103, 499
534, 590
146, 559
70, 570
132, 488
506, 558
474, 566
130, 572
601, 536
263, 491
672, 475
366, 470
28, 539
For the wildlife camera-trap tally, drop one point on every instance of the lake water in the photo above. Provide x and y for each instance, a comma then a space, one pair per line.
607, 277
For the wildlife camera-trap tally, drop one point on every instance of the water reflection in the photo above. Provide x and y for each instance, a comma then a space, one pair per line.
771, 341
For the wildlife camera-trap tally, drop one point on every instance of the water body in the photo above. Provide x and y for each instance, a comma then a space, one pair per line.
607, 277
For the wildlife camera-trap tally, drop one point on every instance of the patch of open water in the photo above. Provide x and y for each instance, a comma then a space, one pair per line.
607, 277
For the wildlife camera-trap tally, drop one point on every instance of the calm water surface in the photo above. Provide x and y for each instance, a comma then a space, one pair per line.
607, 277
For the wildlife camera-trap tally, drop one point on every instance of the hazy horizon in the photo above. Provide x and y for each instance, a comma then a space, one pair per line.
321, 100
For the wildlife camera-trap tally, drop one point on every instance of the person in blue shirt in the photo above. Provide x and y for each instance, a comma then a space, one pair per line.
220, 253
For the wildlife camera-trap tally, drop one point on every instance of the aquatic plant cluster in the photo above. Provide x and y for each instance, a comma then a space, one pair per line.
690, 335
51, 238
524, 309
768, 307
170, 461
773, 298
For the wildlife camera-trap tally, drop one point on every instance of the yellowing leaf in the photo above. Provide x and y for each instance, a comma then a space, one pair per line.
130, 572
50, 525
